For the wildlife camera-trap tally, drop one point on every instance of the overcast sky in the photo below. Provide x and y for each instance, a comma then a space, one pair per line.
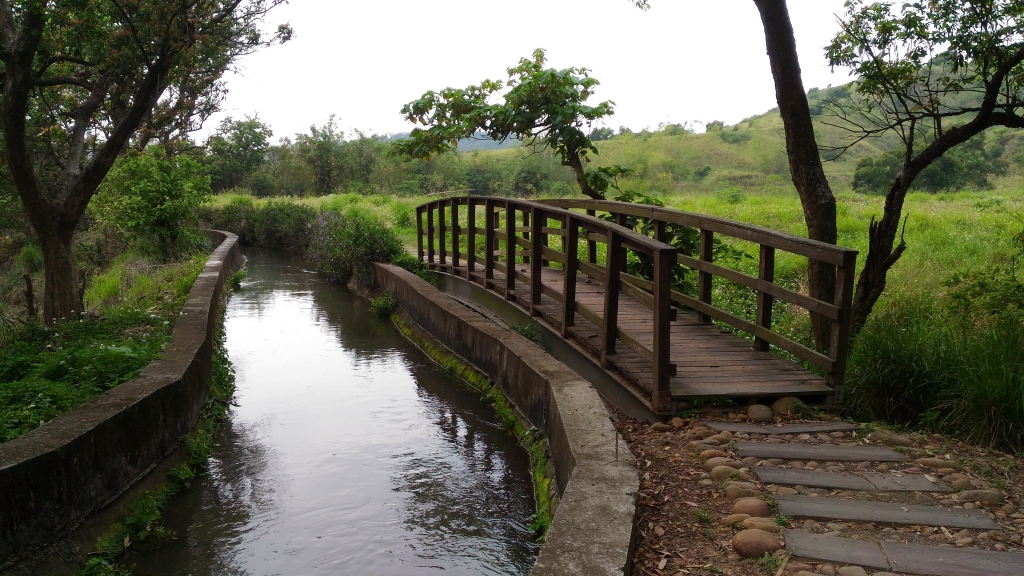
683, 60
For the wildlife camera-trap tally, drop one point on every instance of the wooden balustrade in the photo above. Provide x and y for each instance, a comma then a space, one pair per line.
522, 249
837, 310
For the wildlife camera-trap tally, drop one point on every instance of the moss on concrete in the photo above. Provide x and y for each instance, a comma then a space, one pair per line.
530, 437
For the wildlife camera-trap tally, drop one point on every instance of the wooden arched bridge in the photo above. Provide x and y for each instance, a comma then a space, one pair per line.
585, 269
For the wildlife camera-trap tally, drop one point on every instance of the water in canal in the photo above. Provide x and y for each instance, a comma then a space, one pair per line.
349, 451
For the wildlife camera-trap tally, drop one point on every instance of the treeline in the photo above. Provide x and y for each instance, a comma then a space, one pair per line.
328, 160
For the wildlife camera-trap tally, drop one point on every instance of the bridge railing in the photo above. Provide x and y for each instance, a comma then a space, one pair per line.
515, 233
837, 310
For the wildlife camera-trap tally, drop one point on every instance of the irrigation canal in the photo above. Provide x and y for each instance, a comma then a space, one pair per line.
348, 452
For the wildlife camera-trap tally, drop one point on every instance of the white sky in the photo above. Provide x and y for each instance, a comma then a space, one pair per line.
683, 60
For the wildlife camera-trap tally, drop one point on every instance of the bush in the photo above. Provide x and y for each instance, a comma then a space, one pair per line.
951, 365
344, 246
154, 198
272, 223
383, 305
30, 259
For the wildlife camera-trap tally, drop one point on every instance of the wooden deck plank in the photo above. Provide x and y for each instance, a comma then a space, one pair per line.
710, 361
808, 428
835, 549
939, 561
884, 512
821, 452
812, 479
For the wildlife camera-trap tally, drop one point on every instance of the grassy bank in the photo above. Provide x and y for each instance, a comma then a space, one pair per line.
131, 309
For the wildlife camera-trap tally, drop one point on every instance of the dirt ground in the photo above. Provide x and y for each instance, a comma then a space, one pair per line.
680, 508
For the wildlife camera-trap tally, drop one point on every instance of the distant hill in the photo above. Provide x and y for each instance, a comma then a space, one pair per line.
478, 142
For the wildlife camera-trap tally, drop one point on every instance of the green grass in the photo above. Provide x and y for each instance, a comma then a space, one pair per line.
45, 371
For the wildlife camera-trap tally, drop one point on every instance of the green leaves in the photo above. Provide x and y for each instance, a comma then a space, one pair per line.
540, 106
151, 196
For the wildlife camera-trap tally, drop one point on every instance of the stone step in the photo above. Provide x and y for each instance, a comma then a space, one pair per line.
820, 452
882, 512
804, 428
845, 481
904, 558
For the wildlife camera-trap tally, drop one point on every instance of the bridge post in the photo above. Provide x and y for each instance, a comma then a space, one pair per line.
536, 261
661, 392
490, 222
455, 235
609, 330
471, 238
442, 251
419, 233
591, 245
570, 245
766, 273
430, 236
707, 254
510, 249
840, 345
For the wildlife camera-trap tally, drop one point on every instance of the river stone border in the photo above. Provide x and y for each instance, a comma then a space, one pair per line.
55, 476
593, 530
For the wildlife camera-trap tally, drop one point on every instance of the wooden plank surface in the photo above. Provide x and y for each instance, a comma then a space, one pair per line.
710, 361
904, 483
936, 561
865, 511
822, 452
835, 549
803, 428
812, 479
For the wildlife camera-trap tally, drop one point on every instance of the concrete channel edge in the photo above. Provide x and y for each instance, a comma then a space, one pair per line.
54, 477
594, 527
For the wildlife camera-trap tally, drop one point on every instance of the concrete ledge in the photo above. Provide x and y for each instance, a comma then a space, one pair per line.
592, 532
52, 478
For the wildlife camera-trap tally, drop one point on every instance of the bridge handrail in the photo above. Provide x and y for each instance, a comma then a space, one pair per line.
527, 225
837, 311
526, 233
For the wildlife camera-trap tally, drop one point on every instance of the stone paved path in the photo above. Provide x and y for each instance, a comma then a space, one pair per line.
884, 502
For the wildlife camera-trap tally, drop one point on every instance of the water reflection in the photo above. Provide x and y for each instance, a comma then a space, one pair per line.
349, 451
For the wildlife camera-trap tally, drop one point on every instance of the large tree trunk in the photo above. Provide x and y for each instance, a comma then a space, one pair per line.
819, 204
61, 299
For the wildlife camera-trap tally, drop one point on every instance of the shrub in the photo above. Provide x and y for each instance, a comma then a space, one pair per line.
344, 246
154, 198
383, 305
30, 259
951, 365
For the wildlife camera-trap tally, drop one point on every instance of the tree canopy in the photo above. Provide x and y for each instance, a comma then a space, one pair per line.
84, 79
539, 106
236, 150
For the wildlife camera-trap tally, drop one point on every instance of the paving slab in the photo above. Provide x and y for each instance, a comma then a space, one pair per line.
936, 561
805, 428
812, 478
835, 549
905, 483
820, 452
863, 511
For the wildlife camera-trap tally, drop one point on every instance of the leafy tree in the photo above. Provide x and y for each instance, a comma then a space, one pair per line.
968, 165
542, 106
152, 197
321, 150
83, 80
235, 151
